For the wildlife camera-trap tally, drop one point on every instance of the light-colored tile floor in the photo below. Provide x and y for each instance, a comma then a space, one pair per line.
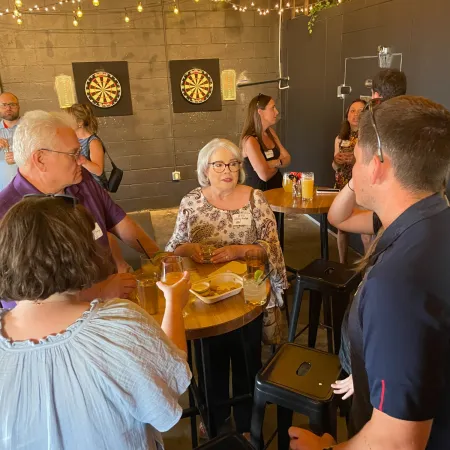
302, 245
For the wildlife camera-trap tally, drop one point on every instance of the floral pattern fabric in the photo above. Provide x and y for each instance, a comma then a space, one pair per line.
344, 173
200, 222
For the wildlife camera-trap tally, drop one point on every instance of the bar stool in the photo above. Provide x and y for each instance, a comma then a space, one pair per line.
296, 379
227, 442
330, 282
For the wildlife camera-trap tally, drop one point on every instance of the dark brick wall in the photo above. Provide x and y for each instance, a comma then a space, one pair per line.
148, 144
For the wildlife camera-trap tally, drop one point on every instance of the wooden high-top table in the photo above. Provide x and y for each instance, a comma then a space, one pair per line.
203, 321
283, 202
207, 320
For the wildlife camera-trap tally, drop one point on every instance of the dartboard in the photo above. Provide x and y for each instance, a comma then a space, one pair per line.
103, 89
196, 86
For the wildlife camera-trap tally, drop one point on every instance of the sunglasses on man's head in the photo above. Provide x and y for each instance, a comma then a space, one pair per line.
72, 201
370, 107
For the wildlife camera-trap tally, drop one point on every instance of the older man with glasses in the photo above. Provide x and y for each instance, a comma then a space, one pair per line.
9, 119
47, 153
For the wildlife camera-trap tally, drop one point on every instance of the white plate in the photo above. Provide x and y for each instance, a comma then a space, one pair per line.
218, 279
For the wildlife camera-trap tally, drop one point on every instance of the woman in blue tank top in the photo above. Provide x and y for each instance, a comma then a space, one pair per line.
91, 145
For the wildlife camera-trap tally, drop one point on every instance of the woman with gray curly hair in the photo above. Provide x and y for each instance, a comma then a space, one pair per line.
235, 219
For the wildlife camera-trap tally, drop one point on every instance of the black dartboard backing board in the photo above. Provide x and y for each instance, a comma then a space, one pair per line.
195, 85
105, 86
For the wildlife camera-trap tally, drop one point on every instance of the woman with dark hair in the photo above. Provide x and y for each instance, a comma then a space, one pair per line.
91, 145
263, 153
77, 375
344, 160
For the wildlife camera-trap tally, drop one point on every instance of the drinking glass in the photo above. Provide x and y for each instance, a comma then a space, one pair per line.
307, 186
171, 269
254, 293
255, 260
287, 183
207, 252
148, 292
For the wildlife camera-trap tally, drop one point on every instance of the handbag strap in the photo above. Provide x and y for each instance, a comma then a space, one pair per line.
104, 148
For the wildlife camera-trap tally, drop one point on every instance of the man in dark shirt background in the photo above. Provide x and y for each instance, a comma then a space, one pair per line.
399, 323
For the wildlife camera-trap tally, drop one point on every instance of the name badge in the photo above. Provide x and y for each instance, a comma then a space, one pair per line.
345, 144
97, 232
269, 154
242, 219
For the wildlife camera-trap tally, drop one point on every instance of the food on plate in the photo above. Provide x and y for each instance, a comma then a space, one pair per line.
222, 288
201, 287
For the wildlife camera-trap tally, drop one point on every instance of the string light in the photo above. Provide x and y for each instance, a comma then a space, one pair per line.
296, 10
140, 7
176, 10
127, 17
16, 13
75, 21
79, 13
288, 5
96, 2
253, 5
19, 21
18, 3
276, 6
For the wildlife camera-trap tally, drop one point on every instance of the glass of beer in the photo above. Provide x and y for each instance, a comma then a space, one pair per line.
171, 269
256, 261
307, 186
287, 183
148, 292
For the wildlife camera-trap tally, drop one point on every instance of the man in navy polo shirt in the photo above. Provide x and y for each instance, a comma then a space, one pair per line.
47, 153
399, 323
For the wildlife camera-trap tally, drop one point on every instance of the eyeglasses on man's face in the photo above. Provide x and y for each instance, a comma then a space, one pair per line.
75, 155
370, 106
11, 105
219, 166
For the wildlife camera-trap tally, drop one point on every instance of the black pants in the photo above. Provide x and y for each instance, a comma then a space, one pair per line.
226, 349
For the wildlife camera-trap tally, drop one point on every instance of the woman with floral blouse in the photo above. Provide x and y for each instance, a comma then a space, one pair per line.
209, 215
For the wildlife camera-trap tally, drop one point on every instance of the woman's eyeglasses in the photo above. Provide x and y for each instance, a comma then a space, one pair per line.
370, 105
219, 166
72, 201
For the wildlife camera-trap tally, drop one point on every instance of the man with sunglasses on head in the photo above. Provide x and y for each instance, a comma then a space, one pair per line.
9, 119
47, 153
399, 322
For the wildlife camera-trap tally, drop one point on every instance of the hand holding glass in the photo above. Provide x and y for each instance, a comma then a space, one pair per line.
171, 269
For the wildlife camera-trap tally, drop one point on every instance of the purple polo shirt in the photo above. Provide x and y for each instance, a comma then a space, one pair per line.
94, 198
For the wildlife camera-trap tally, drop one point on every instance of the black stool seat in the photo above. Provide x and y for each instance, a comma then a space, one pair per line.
325, 274
227, 442
296, 379
324, 279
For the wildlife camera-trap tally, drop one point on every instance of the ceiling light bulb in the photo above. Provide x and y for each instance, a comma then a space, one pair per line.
79, 12
140, 7
96, 2
19, 21
18, 3
75, 22
176, 10
127, 18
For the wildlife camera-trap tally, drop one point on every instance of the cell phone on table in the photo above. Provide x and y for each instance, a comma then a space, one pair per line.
326, 190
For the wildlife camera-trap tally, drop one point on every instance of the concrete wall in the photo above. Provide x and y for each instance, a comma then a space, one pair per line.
148, 144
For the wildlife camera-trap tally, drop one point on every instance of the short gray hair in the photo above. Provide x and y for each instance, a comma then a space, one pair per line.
208, 150
37, 129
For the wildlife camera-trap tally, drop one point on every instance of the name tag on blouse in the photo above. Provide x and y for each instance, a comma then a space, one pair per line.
97, 233
269, 154
345, 144
242, 219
